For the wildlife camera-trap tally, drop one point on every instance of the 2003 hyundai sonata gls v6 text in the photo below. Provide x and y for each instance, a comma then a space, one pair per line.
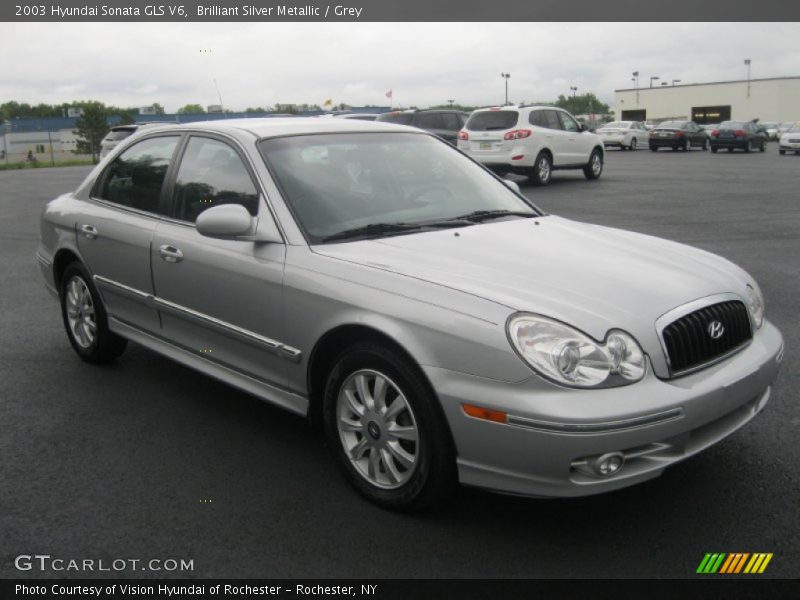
438, 325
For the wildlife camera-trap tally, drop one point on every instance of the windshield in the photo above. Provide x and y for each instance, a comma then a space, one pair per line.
399, 118
617, 125
671, 125
732, 125
335, 183
492, 120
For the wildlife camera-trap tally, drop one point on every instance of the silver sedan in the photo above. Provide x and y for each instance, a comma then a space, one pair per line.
433, 322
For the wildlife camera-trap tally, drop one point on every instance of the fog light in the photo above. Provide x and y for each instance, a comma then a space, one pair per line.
608, 464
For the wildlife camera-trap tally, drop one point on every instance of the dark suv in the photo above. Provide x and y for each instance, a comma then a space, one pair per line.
442, 122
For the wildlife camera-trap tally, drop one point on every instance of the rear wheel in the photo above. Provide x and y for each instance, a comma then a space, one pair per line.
386, 429
542, 171
594, 168
85, 318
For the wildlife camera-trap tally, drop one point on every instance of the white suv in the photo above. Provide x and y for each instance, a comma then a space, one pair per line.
532, 140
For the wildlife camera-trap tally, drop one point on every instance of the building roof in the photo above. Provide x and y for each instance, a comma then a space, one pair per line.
680, 85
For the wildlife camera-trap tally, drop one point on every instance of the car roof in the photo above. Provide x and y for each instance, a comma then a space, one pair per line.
279, 126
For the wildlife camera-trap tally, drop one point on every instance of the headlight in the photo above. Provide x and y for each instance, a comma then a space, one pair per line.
756, 303
568, 356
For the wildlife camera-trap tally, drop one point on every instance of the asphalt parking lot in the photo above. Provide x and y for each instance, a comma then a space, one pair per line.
147, 459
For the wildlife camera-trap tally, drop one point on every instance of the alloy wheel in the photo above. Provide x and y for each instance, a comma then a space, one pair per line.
81, 312
377, 429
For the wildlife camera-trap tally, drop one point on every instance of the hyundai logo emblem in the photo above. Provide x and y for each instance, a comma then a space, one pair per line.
715, 330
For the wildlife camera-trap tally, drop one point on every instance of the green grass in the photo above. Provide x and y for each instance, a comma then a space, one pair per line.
45, 164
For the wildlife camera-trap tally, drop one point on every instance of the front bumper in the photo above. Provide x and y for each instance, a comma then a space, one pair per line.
552, 431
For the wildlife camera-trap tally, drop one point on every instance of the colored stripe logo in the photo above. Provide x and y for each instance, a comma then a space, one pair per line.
734, 563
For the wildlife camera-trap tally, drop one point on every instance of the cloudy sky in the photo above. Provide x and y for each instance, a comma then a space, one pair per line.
261, 64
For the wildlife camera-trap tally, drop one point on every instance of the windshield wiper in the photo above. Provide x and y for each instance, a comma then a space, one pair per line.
373, 229
478, 216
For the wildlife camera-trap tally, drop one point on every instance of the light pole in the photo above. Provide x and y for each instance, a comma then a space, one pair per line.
506, 76
451, 103
636, 84
747, 64
574, 89
653, 78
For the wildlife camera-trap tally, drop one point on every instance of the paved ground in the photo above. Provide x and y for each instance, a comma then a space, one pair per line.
113, 462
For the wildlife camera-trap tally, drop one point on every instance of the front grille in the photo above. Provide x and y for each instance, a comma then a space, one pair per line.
689, 343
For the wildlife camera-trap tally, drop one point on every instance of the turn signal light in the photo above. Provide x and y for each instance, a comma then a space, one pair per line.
517, 134
740, 133
463, 135
715, 133
485, 414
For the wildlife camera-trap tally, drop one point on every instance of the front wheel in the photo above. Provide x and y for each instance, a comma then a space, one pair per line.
542, 171
386, 429
85, 318
594, 168
687, 146
633, 144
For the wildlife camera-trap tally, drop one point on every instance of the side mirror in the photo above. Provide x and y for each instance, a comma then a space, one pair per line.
227, 222
582, 127
512, 185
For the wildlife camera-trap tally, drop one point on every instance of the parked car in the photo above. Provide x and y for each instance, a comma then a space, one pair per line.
790, 140
678, 135
744, 135
443, 122
359, 116
531, 140
625, 135
770, 129
115, 136
708, 128
433, 322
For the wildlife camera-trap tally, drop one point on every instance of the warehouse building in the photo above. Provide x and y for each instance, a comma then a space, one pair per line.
774, 99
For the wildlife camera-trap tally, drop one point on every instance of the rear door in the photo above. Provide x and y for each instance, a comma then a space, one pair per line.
115, 233
221, 299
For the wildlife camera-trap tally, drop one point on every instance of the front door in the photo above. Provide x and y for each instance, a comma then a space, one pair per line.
220, 299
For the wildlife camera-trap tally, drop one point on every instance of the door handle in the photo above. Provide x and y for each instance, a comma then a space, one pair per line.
170, 254
89, 232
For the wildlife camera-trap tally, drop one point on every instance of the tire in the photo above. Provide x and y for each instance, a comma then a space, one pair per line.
687, 145
748, 147
730, 149
781, 151
542, 171
633, 145
653, 148
714, 149
763, 147
594, 168
85, 318
407, 474
705, 145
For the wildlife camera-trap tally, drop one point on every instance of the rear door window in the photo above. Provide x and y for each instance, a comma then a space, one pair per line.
450, 121
551, 118
492, 120
135, 178
538, 118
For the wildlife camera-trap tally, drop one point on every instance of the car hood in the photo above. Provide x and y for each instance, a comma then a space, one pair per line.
594, 277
